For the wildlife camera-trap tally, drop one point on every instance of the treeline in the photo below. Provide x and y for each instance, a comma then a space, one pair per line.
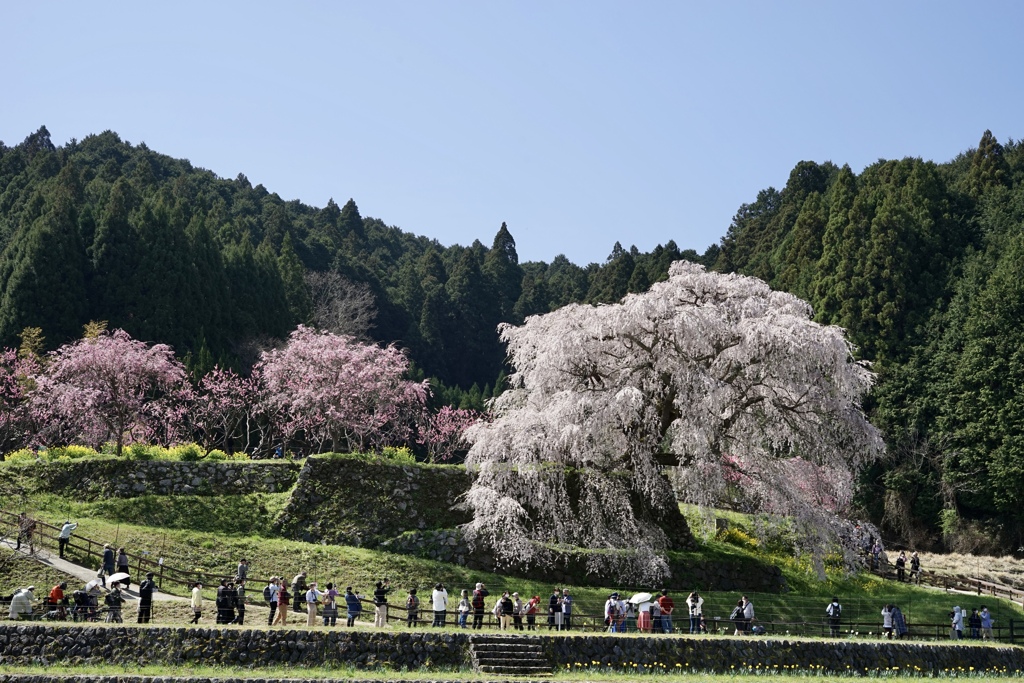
923, 264
100, 229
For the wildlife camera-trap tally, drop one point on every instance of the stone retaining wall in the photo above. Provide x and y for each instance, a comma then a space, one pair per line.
26, 644
726, 655
92, 479
32, 644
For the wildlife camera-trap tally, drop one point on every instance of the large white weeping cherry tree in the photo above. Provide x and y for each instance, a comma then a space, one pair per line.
715, 378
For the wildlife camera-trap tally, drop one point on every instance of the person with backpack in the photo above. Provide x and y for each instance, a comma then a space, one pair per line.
611, 613
834, 610
412, 605
270, 592
146, 589
736, 617
330, 605
479, 593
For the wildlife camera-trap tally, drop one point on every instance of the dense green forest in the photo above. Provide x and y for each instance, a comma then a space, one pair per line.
922, 262
100, 229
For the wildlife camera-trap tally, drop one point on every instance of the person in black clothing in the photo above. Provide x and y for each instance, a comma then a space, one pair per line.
146, 599
380, 603
555, 610
478, 605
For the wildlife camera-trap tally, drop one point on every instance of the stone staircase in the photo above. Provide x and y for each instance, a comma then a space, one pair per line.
509, 655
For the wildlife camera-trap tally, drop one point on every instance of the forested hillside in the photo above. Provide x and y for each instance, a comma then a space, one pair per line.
100, 229
923, 263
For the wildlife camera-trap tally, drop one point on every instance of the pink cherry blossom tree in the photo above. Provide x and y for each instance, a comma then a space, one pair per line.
225, 409
332, 389
110, 387
605, 399
444, 432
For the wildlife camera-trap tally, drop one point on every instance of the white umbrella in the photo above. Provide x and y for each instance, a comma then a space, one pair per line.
92, 584
640, 597
118, 577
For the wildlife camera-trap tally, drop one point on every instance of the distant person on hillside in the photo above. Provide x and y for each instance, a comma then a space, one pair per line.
876, 554
479, 593
901, 565
834, 611
352, 606
243, 569
64, 537
146, 589
197, 602
439, 598
299, 588
915, 567
695, 604
26, 532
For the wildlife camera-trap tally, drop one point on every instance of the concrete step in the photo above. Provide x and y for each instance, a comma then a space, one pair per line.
516, 670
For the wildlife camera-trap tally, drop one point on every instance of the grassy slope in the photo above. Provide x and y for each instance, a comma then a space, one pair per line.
210, 534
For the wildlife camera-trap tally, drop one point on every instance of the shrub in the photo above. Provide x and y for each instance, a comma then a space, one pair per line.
188, 452
139, 451
734, 536
399, 454
70, 452
21, 455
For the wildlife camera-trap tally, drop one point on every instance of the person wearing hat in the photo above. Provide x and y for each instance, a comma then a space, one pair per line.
21, 604
146, 599
517, 612
611, 612
566, 609
555, 610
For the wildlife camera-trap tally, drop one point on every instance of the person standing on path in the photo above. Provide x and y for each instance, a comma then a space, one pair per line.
566, 610
122, 566
283, 597
330, 613
695, 604
312, 600
464, 608
243, 569
298, 591
555, 610
240, 602
748, 613
270, 593
479, 593
65, 536
667, 606
986, 623
439, 598
146, 599
197, 602
901, 567
380, 603
957, 623
834, 610
915, 568
26, 531
108, 562
352, 606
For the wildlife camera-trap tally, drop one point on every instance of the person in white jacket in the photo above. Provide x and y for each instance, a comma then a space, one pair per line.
958, 623
21, 604
695, 604
440, 599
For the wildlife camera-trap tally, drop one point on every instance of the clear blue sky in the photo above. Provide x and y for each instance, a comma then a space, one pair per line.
579, 123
